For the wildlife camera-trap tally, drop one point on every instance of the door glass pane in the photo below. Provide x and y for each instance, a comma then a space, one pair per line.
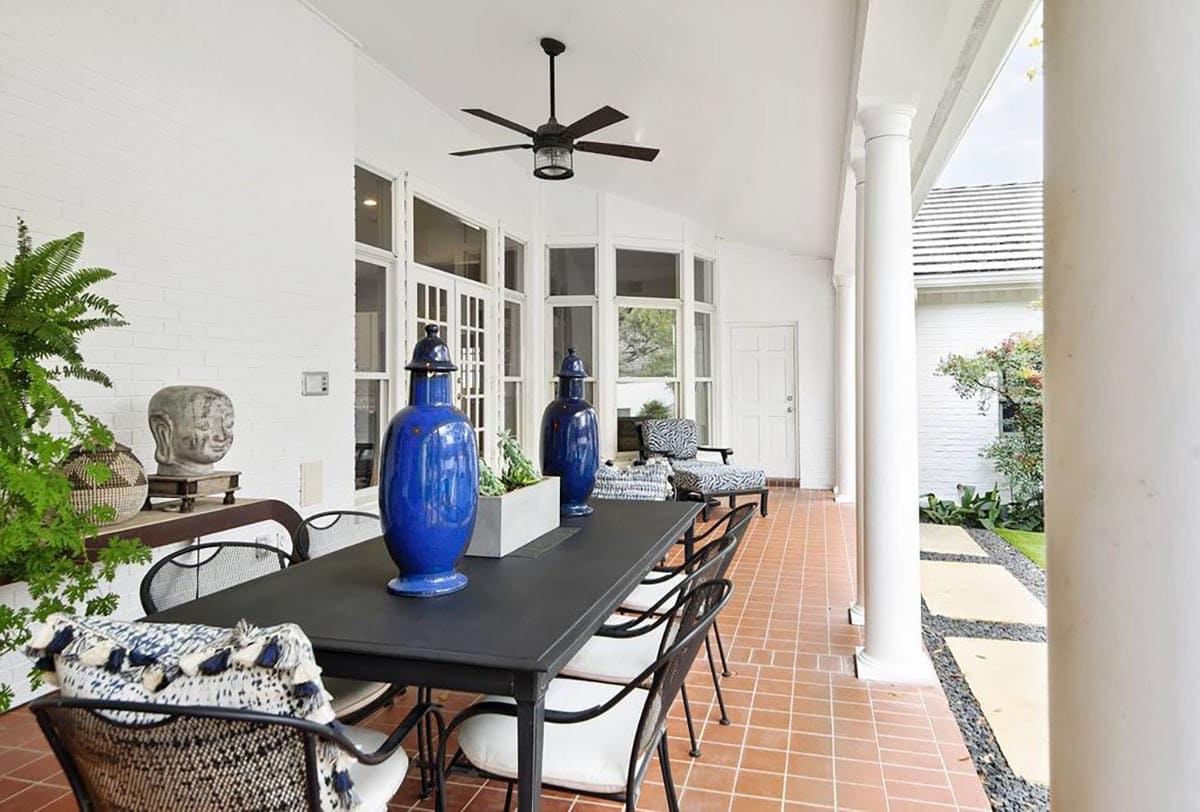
647, 273
431, 309
370, 317
646, 342
572, 271
368, 418
637, 401
372, 209
703, 269
512, 408
512, 339
471, 360
704, 411
514, 265
571, 327
703, 345
445, 242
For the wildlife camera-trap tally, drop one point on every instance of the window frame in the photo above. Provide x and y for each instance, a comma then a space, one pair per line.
698, 306
490, 231
521, 299
393, 313
591, 302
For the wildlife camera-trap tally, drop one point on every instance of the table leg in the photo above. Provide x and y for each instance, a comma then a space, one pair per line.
531, 720
689, 541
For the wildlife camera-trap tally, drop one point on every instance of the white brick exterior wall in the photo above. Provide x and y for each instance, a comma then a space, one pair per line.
951, 430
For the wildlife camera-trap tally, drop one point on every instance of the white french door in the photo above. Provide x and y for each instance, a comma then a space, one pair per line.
462, 309
763, 376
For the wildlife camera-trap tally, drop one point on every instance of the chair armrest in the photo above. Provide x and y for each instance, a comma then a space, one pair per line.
725, 453
385, 750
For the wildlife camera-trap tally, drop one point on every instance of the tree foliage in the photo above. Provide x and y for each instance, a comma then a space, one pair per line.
1011, 374
646, 342
46, 306
655, 409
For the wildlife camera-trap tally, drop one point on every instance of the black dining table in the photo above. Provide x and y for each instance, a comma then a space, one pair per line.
510, 631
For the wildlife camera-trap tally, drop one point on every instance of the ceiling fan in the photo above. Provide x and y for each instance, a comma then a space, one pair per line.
553, 143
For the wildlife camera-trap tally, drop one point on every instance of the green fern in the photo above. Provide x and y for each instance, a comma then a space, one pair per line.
46, 307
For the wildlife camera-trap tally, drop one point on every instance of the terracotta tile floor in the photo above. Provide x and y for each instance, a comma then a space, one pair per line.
806, 735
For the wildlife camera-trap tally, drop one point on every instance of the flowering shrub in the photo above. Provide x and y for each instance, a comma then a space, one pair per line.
1010, 373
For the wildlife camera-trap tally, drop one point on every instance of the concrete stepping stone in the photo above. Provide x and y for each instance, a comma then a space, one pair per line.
978, 592
1009, 680
949, 539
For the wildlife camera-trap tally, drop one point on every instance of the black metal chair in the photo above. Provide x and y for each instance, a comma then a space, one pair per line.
663, 579
617, 728
627, 644
331, 530
201, 569
147, 756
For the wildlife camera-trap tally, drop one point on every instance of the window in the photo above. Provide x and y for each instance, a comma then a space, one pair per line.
647, 368
1008, 417
514, 265
371, 379
572, 271
443, 241
703, 273
372, 209
573, 326
703, 318
652, 274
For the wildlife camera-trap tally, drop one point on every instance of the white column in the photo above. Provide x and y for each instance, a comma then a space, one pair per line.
843, 286
1122, 298
858, 608
893, 650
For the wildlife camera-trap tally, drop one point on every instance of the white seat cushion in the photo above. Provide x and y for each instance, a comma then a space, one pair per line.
615, 659
376, 784
645, 596
351, 695
591, 756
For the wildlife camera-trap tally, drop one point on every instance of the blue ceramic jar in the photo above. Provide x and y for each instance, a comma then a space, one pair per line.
428, 478
571, 439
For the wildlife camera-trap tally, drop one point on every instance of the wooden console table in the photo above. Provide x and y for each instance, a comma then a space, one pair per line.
166, 524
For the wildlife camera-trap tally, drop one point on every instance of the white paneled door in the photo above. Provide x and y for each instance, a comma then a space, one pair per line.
462, 310
763, 391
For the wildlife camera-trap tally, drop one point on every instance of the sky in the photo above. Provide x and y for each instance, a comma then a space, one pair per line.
1004, 142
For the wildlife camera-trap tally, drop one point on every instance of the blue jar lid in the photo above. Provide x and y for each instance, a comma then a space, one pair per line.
572, 366
431, 353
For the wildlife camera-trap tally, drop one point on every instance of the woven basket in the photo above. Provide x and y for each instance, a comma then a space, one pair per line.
125, 491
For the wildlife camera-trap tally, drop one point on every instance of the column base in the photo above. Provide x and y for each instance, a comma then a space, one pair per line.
858, 615
843, 498
915, 671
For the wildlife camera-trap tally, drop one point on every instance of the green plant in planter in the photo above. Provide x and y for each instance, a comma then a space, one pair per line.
46, 306
518, 471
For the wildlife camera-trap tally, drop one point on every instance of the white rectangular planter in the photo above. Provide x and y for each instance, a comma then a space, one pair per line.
509, 522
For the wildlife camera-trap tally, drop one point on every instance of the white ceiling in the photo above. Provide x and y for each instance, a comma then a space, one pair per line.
747, 101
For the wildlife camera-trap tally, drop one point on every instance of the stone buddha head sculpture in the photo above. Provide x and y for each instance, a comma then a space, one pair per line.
192, 428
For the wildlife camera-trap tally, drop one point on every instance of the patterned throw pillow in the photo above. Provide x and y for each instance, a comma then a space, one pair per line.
673, 437
271, 670
649, 482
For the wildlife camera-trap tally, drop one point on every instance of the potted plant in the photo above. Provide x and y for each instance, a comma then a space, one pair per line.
46, 306
515, 507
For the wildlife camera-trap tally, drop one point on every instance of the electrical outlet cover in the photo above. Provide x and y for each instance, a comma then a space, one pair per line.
312, 483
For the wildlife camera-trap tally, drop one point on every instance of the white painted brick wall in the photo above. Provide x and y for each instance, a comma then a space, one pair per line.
951, 430
212, 168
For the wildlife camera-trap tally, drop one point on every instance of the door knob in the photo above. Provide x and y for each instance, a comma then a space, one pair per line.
789, 397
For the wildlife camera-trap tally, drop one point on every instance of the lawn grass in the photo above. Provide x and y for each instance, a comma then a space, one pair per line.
1033, 545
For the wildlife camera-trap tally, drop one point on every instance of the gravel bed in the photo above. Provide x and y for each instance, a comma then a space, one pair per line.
1007, 791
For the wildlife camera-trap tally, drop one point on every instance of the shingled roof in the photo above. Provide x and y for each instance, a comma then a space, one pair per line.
979, 229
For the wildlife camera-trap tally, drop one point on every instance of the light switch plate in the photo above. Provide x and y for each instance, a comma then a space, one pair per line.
314, 383
312, 483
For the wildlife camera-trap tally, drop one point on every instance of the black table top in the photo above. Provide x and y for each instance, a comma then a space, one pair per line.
519, 615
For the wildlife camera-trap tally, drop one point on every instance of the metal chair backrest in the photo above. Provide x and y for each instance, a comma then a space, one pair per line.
332, 530
691, 619
181, 757
201, 569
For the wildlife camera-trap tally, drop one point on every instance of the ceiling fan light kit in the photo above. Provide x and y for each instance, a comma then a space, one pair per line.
553, 144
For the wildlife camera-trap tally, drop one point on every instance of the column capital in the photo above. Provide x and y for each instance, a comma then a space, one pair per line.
886, 119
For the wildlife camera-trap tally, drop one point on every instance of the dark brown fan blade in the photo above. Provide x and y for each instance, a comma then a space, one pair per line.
598, 120
491, 149
619, 150
495, 119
